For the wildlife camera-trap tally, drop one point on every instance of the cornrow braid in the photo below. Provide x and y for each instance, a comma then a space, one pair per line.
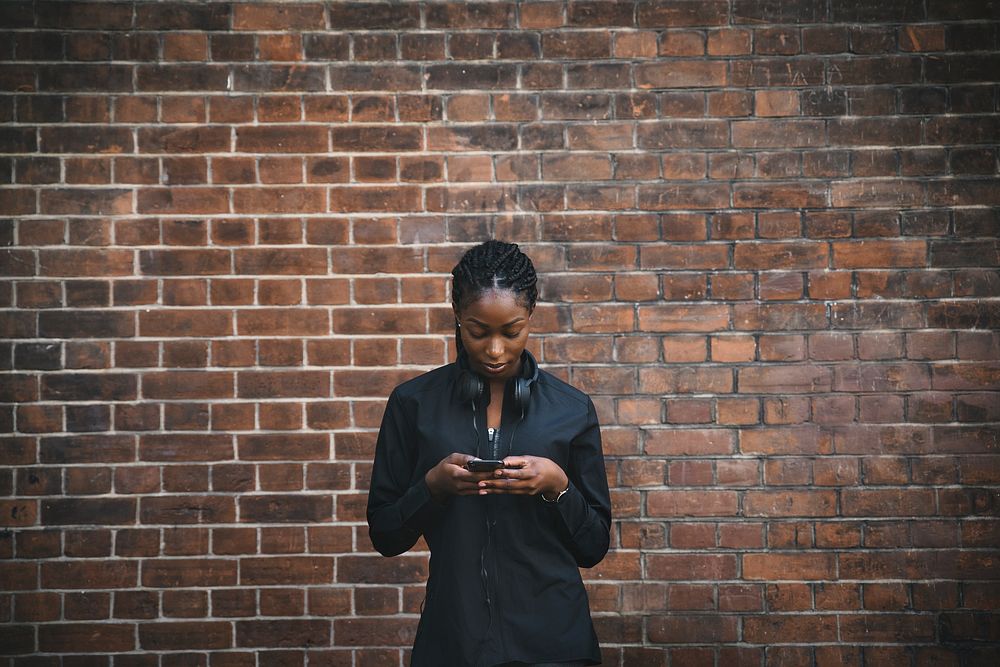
488, 266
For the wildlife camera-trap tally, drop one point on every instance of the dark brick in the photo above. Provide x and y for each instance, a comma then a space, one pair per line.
85, 324
275, 78
186, 635
17, 15
87, 448
88, 511
777, 72
375, 77
183, 16
684, 134
88, 387
18, 140
87, 637
276, 508
465, 77
84, 15
181, 139
480, 15
174, 510
182, 77
871, 11
682, 13
779, 11
38, 356
376, 138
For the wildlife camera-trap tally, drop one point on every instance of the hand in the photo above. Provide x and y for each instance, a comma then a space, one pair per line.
527, 475
451, 478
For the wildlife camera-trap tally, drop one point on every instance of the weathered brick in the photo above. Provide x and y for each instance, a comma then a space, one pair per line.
286, 570
680, 74
685, 13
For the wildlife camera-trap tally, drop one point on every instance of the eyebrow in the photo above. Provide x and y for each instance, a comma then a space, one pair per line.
483, 324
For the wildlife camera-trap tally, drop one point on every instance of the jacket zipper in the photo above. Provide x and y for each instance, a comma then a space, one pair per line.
505, 434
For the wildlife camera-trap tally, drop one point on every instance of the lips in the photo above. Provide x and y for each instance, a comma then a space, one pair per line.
495, 368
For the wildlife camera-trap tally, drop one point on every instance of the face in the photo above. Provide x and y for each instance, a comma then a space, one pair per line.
494, 332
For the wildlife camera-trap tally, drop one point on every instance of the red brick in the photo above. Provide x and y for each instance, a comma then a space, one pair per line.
693, 629
775, 133
773, 628
878, 254
791, 503
798, 566
680, 442
691, 503
277, 17
77, 574
786, 440
195, 200
185, 635
687, 567
701, 318
886, 627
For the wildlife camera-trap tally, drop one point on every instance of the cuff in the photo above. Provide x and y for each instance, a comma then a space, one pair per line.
572, 507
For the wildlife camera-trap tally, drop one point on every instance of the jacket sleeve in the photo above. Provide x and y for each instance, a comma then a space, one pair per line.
585, 509
399, 507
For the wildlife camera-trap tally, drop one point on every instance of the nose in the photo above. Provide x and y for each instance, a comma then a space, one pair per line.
495, 348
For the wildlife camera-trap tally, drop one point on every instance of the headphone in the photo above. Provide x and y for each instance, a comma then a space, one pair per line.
469, 387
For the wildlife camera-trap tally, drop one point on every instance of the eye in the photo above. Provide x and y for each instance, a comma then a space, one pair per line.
513, 334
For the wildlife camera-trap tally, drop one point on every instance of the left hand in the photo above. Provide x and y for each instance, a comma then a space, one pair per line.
526, 475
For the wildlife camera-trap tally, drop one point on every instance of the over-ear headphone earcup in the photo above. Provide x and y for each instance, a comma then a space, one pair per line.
470, 387
522, 393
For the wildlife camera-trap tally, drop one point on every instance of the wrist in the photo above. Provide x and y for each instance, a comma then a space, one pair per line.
555, 496
432, 486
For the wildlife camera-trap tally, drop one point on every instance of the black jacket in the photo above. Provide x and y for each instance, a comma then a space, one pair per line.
504, 582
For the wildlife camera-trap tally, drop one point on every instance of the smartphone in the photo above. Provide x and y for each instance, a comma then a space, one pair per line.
483, 465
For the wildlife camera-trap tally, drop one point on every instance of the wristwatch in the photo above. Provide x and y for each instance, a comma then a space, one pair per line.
561, 494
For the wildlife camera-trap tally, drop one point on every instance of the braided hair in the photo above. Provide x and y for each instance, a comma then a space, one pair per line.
492, 265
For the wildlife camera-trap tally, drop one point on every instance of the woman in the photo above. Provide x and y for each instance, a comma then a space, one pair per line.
504, 585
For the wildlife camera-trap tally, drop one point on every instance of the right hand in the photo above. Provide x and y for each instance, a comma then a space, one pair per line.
451, 478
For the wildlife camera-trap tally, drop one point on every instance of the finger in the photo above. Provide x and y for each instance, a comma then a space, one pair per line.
508, 486
512, 491
468, 488
460, 472
516, 461
458, 458
514, 473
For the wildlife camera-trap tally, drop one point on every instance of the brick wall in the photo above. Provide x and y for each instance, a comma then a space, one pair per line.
768, 233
